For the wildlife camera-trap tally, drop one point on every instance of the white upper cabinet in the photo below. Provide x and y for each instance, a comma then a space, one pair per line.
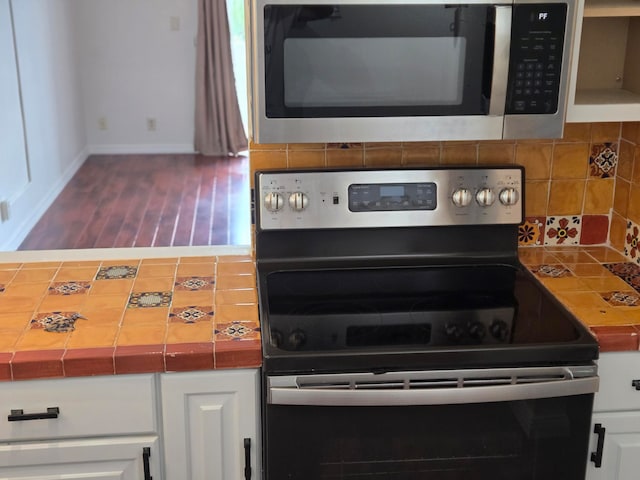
605, 73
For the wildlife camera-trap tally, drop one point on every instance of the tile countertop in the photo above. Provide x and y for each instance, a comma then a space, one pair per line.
103, 317
88, 317
598, 285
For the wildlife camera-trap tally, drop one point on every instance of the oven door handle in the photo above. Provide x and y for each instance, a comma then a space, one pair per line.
327, 396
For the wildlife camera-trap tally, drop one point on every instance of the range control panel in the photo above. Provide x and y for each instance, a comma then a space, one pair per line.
389, 198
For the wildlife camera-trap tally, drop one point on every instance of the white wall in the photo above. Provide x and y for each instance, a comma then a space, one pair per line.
54, 123
133, 67
13, 158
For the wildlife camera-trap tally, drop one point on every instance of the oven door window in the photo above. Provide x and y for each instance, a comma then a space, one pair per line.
368, 61
538, 439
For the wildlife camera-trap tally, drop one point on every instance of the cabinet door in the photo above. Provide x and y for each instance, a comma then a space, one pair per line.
207, 416
620, 449
103, 459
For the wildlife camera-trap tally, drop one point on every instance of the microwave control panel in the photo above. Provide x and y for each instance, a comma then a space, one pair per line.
388, 198
535, 66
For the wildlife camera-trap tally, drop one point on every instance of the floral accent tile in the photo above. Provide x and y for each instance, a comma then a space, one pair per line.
531, 232
563, 231
621, 299
69, 288
116, 272
631, 249
629, 272
603, 160
237, 330
553, 271
194, 283
191, 314
59, 322
149, 299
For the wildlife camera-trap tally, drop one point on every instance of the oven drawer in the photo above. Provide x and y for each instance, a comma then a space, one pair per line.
77, 407
619, 374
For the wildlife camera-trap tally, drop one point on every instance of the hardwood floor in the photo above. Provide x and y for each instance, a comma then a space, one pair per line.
149, 200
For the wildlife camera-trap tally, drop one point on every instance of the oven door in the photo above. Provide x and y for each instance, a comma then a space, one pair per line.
525, 424
416, 63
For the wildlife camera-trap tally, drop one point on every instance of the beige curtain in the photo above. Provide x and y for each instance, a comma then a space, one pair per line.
218, 129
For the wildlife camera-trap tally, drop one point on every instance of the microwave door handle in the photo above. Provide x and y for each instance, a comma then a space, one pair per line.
501, 47
324, 396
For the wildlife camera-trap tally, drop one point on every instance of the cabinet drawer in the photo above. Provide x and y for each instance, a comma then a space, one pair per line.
88, 406
617, 371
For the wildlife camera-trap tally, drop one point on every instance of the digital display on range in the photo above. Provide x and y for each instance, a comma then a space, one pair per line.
384, 197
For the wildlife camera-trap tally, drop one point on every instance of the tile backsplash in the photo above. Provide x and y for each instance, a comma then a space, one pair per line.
582, 189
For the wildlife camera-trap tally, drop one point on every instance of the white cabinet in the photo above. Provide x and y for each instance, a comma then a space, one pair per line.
615, 441
119, 458
210, 424
605, 73
80, 428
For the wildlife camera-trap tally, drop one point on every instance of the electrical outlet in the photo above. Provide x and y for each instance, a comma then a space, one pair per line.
151, 124
174, 23
102, 123
4, 211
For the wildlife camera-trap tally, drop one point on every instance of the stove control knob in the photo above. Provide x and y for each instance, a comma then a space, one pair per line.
461, 197
298, 201
485, 197
276, 338
273, 201
499, 330
477, 330
508, 196
454, 332
297, 339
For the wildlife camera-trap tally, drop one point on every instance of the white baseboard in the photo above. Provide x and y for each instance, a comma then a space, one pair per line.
140, 149
46, 199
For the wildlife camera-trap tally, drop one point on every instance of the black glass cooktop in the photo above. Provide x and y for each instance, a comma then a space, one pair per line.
388, 318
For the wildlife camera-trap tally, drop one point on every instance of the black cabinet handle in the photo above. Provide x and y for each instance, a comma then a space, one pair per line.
146, 453
596, 457
19, 415
635, 384
247, 459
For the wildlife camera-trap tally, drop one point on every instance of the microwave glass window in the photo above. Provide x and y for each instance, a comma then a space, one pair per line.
388, 71
377, 60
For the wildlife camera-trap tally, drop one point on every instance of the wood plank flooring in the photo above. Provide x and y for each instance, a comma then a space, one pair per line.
149, 201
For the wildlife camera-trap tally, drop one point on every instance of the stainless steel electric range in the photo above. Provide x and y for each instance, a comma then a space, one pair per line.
402, 338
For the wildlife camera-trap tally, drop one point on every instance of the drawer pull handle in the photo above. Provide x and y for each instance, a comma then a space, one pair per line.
596, 457
635, 384
146, 453
247, 459
19, 415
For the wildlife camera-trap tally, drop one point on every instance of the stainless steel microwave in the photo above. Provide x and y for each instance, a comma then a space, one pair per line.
415, 70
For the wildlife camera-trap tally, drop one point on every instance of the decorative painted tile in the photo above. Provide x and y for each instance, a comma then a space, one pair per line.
623, 270
237, 331
563, 230
149, 299
531, 232
191, 314
69, 288
595, 229
603, 160
554, 271
631, 250
629, 272
59, 322
622, 299
116, 271
194, 283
